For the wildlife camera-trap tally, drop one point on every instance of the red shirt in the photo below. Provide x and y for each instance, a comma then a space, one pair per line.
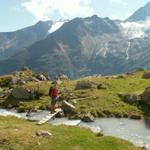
55, 92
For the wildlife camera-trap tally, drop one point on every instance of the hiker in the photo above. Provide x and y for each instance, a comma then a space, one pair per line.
53, 93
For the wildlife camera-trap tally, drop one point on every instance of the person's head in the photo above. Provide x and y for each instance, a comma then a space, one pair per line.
55, 83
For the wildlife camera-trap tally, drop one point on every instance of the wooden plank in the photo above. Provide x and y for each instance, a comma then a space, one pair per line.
49, 116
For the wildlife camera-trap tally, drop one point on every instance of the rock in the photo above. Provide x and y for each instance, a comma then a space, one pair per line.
87, 117
5, 92
1, 90
135, 116
84, 84
60, 114
147, 120
146, 75
21, 82
128, 98
63, 77
68, 108
25, 69
101, 86
96, 130
23, 93
32, 79
145, 96
14, 80
121, 76
74, 101
43, 133
41, 77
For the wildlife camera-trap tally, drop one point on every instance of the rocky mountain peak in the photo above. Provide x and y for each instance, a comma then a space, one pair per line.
141, 14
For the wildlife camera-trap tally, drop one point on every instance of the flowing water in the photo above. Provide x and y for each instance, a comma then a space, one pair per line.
135, 131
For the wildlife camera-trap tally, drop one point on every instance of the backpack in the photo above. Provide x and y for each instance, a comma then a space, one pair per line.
50, 91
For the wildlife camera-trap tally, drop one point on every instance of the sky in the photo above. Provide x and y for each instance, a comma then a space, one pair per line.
17, 14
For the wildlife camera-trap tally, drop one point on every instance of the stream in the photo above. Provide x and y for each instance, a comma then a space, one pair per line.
135, 131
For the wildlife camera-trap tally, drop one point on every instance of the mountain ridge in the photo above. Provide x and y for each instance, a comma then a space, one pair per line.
86, 46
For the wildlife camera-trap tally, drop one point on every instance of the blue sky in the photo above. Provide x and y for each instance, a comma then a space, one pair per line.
16, 14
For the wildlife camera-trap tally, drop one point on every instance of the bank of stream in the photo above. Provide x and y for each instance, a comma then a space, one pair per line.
135, 131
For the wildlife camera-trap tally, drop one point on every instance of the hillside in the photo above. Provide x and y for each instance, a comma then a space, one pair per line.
87, 46
13, 42
102, 96
21, 135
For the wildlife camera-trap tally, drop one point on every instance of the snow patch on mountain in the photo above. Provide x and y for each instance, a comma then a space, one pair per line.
55, 26
133, 30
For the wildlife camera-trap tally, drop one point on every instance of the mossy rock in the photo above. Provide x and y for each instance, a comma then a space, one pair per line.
84, 84
146, 75
5, 81
129, 98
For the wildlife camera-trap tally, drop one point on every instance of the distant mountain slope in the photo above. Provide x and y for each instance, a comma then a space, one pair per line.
141, 14
12, 42
69, 49
86, 46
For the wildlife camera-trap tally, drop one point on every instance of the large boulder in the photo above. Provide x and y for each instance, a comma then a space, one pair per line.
68, 108
146, 75
23, 93
145, 96
84, 84
128, 98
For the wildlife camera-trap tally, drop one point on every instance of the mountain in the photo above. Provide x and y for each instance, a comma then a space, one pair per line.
87, 46
69, 50
12, 42
141, 14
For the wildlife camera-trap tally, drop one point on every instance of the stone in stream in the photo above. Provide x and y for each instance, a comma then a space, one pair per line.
87, 117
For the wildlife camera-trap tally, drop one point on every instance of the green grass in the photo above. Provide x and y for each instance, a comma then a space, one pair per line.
100, 102
21, 135
103, 102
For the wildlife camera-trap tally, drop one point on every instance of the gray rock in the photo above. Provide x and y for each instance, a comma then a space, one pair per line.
43, 133
14, 80
1, 90
84, 84
41, 77
5, 92
32, 79
87, 117
146, 75
128, 98
63, 77
101, 86
147, 120
21, 82
23, 93
145, 96
67, 107
96, 130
